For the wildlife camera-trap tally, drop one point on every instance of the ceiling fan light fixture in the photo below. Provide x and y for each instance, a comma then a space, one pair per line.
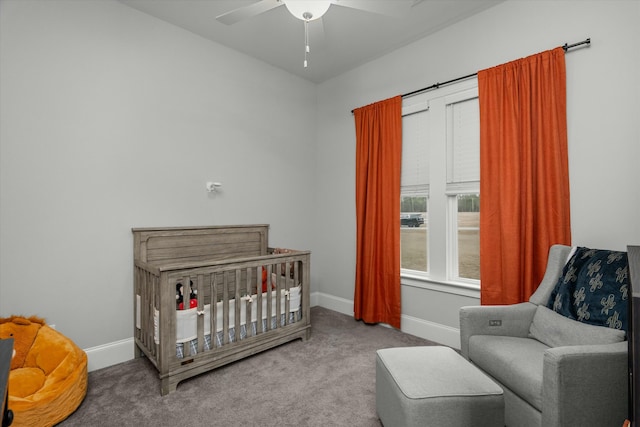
307, 10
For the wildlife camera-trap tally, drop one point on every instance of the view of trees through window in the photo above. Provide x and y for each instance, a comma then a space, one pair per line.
413, 204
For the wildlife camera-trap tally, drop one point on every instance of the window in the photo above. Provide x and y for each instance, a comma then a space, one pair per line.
440, 185
414, 192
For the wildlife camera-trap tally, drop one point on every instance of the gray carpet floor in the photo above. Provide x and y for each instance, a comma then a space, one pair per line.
328, 380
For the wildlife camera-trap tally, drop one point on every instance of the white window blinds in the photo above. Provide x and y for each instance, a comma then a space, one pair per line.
463, 144
415, 152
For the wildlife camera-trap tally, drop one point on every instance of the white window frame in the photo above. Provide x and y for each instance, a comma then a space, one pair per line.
453, 190
442, 243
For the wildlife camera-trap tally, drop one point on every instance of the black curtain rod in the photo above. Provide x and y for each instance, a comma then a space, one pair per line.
437, 85
566, 47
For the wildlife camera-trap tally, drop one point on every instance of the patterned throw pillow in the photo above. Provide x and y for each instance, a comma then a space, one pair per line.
593, 288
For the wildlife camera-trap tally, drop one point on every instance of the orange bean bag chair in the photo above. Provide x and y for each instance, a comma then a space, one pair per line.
48, 377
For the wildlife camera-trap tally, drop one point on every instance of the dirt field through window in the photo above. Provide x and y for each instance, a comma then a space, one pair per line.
413, 246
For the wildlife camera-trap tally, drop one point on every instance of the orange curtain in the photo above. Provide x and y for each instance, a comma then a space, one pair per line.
524, 173
378, 163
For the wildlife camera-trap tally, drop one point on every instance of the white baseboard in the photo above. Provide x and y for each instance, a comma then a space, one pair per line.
116, 352
341, 305
110, 354
431, 331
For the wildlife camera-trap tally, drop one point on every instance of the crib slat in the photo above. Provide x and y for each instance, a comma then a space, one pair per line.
296, 282
148, 294
214, 311
143, 291
279, 287
186, 299
238, 304
200, 296
287, 286
259, 329
269, 299
248, 305
225, 309
154, 297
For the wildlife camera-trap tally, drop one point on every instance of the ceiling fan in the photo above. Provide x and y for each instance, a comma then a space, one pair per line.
312, 10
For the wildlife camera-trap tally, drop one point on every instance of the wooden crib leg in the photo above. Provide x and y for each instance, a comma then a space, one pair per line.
137, 351
167, 386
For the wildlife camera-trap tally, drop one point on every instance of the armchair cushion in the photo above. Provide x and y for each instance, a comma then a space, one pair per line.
556, 330
518, 364
593, 288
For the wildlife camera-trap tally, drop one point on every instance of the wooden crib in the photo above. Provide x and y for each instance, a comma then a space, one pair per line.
246, 297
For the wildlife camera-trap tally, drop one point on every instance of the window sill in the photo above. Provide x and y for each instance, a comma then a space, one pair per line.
456, 288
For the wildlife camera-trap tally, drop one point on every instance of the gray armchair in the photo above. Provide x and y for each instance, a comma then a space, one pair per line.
577, 377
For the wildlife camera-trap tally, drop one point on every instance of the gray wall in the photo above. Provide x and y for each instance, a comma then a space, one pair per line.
111, 119
603, 109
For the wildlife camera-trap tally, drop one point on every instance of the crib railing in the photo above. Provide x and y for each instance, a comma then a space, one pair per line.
232, 307
241, 307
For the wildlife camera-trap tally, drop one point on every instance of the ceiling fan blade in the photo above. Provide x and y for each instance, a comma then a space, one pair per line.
250, 11
397, 8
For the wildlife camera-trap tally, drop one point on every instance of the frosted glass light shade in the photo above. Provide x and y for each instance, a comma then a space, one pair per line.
299, 8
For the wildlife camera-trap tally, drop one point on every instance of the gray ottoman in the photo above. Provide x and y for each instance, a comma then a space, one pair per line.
434, 386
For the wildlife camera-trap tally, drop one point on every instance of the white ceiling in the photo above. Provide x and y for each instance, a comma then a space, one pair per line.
341, 40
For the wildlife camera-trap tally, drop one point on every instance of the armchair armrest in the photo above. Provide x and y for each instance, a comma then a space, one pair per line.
585, 385
505, 320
